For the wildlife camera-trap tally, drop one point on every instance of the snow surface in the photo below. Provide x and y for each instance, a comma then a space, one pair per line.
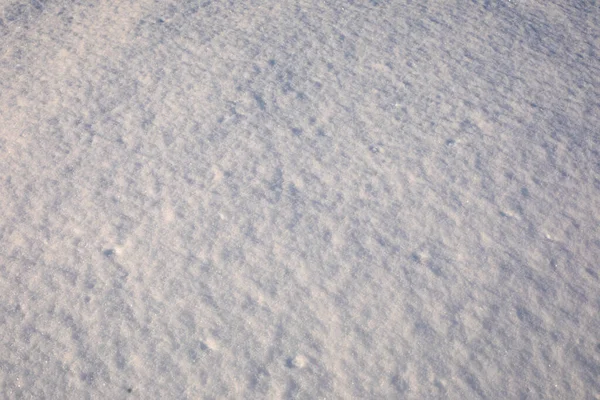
299, 199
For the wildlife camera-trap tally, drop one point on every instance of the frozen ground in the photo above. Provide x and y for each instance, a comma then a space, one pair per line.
299, 199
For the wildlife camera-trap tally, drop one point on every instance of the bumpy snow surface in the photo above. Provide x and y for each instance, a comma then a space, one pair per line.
281, 199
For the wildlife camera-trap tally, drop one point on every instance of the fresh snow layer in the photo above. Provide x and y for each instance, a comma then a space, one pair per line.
304, 199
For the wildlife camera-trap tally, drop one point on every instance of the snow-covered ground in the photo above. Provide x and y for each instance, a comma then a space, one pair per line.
299, 199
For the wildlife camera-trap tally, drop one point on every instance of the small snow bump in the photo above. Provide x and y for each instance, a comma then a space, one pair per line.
298, 361
210, 344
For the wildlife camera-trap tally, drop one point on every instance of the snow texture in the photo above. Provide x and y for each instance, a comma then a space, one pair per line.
299, 199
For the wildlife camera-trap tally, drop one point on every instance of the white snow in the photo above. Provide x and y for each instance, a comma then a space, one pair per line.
299, 199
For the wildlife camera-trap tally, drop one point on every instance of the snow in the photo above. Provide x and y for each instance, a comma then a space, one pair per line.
299, 199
